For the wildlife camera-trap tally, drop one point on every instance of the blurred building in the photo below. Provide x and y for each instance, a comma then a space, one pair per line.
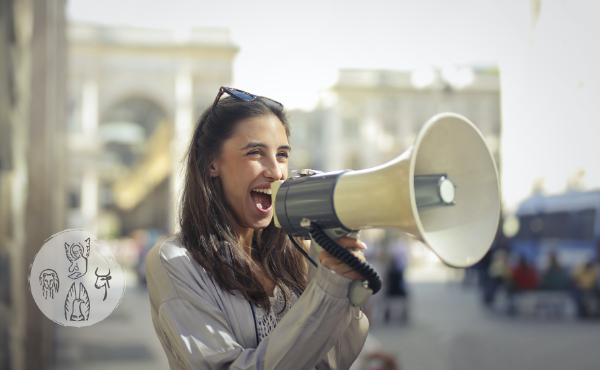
370, 117
133, 98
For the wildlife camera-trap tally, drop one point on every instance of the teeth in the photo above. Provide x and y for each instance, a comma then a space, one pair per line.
264, 191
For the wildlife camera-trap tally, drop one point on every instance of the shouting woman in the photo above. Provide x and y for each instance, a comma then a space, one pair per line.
229, 291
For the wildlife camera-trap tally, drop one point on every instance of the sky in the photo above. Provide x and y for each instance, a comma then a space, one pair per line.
292, 50
550, 84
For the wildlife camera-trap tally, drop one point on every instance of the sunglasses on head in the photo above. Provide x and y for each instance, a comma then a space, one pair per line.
243, 96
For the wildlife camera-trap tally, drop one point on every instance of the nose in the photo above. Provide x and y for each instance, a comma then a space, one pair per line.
273, 169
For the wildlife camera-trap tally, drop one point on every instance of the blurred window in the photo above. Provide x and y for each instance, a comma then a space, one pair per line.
561, 225
74, 199
390, 125
525, 231
554, 225
351, 128
581, 224
73, 124
106, 195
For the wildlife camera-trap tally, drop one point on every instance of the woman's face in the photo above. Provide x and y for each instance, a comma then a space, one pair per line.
254, 157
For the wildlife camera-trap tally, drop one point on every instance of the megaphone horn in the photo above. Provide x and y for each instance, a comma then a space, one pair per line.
443, 190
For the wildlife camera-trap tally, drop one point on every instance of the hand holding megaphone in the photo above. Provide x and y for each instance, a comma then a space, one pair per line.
355, 247
444, 191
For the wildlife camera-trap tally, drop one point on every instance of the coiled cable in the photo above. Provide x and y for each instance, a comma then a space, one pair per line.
339, 252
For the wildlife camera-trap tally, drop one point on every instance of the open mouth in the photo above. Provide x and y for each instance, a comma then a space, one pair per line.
261, 198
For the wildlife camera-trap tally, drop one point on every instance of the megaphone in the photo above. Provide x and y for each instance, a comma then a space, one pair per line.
443, 190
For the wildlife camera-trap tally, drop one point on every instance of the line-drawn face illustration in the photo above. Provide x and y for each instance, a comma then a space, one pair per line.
78, 254
49, 283
103, 281
77, 307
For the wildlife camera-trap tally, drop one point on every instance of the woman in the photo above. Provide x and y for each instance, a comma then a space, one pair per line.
230, 291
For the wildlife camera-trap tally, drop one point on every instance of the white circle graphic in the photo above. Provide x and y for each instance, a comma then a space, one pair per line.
75, 280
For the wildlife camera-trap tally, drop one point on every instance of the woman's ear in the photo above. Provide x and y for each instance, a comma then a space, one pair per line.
214, 170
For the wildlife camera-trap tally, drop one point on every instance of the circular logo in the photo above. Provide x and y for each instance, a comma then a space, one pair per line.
75, 280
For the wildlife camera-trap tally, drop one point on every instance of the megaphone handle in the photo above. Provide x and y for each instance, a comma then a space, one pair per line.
358, 291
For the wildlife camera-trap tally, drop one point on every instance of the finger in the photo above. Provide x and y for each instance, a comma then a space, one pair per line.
359, 255
339, 267
350, 273
331, 262
344, 267
328, 260
344, 270
347, 242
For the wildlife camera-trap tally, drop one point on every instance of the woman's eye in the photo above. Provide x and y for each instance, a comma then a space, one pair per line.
254, 152
283, 154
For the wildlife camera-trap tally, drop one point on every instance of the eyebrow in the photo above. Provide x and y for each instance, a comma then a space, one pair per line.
254, 144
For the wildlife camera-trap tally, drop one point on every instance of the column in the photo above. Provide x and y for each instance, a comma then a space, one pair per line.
89, 130
181, 137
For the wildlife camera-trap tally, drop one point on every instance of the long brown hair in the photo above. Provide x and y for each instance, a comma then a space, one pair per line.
204, 219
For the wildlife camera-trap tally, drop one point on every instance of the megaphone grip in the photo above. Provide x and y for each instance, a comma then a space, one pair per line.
339, 252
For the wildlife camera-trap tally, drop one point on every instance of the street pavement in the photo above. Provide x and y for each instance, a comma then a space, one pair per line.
125, 340
447, 329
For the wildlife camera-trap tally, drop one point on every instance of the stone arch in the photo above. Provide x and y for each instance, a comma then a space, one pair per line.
135, 134
127, 126
136, 108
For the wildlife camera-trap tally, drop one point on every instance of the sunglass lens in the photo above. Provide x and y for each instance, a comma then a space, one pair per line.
240, 95
272, 102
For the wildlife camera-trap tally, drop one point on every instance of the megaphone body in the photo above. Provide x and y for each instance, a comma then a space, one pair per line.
443, 190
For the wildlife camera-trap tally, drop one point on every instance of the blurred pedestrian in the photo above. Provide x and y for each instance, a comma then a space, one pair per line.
523, 277
395, 291
499, 274
585, 280
153, 237
555, 277
373, 307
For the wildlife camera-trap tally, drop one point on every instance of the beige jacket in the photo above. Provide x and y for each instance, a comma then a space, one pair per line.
200, 326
